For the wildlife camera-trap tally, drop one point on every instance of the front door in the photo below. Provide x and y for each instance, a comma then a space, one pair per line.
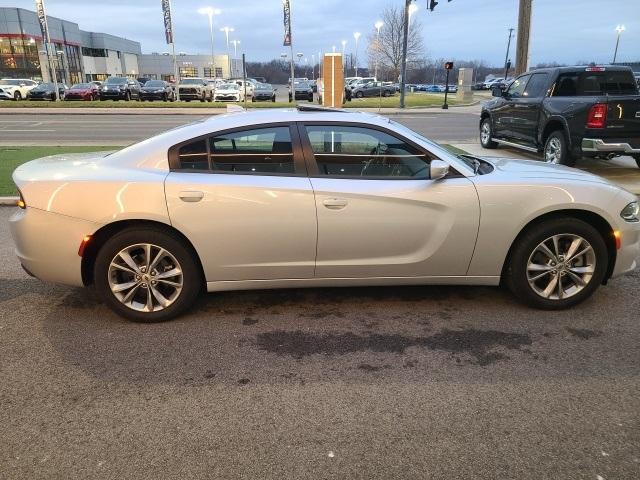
379, 213
245, 202
526, 110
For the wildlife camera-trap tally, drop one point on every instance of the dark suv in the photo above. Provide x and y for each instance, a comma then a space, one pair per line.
120, 88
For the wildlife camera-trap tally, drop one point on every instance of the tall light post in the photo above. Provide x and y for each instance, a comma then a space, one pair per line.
210, 12
235, 44
313, 66
356, 35
619, 29
506, 57
344, 60
299, 55
378, 26
412, 9
226, 31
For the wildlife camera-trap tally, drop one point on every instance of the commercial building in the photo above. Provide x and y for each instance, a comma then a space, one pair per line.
160, 66
79, 55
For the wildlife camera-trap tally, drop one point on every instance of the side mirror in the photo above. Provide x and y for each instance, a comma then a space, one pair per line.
438, 169
496, 91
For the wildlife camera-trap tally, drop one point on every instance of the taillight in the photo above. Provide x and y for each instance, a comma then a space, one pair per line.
21, 203
597, 116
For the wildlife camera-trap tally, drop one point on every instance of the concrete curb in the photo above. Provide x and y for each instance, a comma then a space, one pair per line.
8, 201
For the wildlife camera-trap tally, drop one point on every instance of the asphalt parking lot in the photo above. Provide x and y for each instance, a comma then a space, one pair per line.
402, 383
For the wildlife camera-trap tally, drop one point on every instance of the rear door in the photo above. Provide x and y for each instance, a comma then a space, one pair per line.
379, 213
243, 198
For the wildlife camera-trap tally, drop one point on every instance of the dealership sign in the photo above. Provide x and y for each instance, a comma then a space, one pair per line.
168, 28
42, 18
287, 23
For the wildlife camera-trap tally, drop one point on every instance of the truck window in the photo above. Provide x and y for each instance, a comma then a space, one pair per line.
517, 87
594, 83
536, 87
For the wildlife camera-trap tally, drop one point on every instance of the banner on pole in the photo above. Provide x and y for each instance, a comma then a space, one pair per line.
287, 23
168, 27
42, 19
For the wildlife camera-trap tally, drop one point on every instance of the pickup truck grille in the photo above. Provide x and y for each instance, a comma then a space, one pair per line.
188, 90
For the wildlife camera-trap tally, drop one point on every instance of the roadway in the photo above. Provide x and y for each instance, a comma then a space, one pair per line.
115, 129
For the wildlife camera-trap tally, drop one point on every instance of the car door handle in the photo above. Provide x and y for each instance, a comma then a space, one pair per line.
191, 195
335, 203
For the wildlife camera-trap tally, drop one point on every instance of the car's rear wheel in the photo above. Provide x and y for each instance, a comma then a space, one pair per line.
147, 275
557, 264
556, 149
17, 96
486, 132
359, 95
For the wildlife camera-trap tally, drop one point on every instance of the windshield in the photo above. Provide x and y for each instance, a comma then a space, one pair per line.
44, 86
81, 86
228, 86
116, 80
192, 81
7, 81
263, 86
154, 83
302, 85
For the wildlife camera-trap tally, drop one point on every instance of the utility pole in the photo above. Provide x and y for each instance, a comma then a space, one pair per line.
506, 57
524, 30
405, 35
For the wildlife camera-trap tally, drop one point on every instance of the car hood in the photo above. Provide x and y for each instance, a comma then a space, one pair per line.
532, 169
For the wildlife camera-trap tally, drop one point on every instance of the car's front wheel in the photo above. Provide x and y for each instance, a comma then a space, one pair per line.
557, 264
486, 132
17, 96
147, 275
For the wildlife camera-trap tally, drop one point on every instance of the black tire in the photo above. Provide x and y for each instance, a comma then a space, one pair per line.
386, 93
557, 141
127, 97
273, 99
485, 140
191, 274
290, 98
17, 96
253, 99
204, 98
359, 95
515, 275
310, 98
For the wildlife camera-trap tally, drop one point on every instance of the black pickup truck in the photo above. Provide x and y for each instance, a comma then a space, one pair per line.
566, 113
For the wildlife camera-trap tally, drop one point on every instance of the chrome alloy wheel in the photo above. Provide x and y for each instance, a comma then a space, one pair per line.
485, 133
145, 277
553, 151
561, 266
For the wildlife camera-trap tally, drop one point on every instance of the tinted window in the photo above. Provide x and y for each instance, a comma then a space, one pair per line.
536, 87
516, 89
263, 150
594, 83
194, 155
116, 80
364, 152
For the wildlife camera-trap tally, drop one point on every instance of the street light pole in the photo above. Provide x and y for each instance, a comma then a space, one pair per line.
619, 29
506, 57
344, 61
210, 12
226, 31
403, 68
378, 26
356, 35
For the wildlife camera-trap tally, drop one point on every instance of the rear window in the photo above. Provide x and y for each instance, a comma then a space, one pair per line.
594, 83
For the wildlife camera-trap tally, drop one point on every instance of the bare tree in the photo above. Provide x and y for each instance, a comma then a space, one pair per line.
388, 50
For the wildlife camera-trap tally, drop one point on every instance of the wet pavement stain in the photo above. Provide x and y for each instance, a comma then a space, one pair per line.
583, 333
372, 368
249, 321
476, 343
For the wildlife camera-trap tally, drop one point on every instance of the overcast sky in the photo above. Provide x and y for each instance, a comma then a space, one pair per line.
565, 31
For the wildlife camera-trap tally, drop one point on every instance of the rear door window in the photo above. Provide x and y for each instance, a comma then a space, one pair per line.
536, 87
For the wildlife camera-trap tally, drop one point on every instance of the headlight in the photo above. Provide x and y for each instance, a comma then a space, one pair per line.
159, 91
630, 212
104, 89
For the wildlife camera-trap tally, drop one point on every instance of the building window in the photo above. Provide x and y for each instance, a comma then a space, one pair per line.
118, 53
218, 72
19, 58
186, 72
168, 78
208, 72
94, 52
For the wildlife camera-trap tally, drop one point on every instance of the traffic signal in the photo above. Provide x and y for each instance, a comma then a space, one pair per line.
432, 4
448, 66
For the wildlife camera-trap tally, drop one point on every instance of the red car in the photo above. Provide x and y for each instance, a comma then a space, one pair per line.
83, 91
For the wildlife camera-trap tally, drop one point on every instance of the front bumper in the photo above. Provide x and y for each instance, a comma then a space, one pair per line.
152, 95
77, 96
47, 244
110, 94
263, 96
226, 98
40, 96
6, 95
303, 95
597, 145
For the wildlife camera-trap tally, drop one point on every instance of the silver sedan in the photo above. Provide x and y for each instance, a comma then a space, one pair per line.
308, 197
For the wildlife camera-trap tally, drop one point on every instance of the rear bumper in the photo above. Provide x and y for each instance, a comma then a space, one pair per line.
597, 145
47, 244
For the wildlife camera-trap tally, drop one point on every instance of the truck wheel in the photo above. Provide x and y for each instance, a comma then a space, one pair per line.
486, 131
556, 150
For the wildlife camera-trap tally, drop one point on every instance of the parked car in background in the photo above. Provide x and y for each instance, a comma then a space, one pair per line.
250, 86
488, 84
83, 91
314, 85
259, 79
566, 113
264, 91
195, 89
373, 89
301, 91
120, 88
97, 83
478, 86
360, 82
229, 92
16, 88
142, 80
158, 90
47, 91
310, 197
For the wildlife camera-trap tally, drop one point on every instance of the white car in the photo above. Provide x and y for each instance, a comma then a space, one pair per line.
16, 88
241, 85
228, 92
314, 197
489, 83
